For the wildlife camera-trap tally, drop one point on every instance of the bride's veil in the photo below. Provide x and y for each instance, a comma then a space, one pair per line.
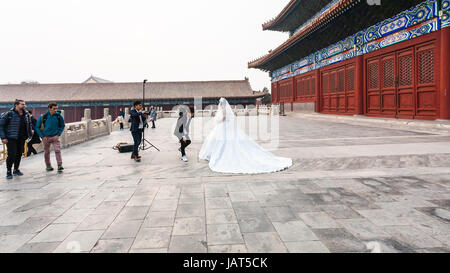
224, 112
225, 115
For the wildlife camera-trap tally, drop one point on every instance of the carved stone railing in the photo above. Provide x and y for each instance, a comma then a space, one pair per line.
238, 111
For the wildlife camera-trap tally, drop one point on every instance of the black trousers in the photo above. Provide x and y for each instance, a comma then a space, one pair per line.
184, 145
15, 151
153, 122
30, 149
137, 138
121, 126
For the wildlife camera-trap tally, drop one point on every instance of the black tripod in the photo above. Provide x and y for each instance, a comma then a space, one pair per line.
145, 143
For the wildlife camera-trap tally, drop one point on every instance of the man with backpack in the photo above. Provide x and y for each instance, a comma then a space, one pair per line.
49, 127
15, 129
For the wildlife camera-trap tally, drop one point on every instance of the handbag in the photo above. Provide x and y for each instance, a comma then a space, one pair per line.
124, 147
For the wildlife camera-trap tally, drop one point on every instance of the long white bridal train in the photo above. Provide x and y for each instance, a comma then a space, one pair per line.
229, 150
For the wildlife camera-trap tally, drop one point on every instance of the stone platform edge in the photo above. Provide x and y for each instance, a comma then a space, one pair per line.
411, 124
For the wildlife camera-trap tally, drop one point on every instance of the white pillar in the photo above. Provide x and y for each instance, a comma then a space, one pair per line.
126, 124
88, 120
108, 120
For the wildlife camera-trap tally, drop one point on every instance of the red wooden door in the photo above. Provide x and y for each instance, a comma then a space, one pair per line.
402, 84
350, 89
340, 90
332, 91
388, 92
426, 74
405, 84
325, 96
373, 86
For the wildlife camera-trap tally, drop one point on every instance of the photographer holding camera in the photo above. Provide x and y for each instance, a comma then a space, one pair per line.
138, 119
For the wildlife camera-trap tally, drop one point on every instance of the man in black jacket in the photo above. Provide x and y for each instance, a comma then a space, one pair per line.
15, 128
138, 119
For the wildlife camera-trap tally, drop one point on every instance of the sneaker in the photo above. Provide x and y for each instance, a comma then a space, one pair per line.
17, 173
49, 168
60, 168
9, 175
184, 158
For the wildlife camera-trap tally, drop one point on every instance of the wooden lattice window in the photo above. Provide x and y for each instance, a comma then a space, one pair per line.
341, 81
388, 73
373, 76
313, 86
325, 83
332, 82
306, 81
350, 79
302, 88
405, 67
426, 66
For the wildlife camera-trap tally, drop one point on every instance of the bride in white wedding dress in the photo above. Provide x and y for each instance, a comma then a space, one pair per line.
229, 150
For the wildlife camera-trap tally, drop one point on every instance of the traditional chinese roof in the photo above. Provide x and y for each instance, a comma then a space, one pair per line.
306, 29
80, 92
340, 20
294, 14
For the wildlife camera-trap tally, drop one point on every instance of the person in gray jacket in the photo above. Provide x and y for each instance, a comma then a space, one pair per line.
153, 116
182, 131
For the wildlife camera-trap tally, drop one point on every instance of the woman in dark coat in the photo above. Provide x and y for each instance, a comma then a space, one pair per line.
35, 139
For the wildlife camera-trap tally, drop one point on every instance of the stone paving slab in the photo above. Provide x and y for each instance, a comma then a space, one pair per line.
396, 199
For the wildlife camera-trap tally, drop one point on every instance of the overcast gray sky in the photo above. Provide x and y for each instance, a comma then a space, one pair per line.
61, 41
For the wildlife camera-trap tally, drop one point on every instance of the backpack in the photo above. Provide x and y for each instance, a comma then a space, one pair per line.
44, 119
8, 118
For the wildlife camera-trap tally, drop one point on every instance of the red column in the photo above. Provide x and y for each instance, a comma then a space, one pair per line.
293, 93
359, 85
294, 89
445, 74
272, 94
317, 88
277, 92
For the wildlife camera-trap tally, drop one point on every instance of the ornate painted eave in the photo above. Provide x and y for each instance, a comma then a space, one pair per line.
312, 25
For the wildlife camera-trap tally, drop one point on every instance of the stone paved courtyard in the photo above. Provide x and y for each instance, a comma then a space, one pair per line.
352, 188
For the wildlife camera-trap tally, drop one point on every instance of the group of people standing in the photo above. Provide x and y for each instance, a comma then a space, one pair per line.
227, 148
18, 126
138, 120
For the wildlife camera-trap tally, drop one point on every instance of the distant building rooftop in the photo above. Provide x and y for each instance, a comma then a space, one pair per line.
110, 91
93, 79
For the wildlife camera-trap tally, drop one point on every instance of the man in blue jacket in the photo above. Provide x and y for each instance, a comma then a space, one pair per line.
15, 128
49, 127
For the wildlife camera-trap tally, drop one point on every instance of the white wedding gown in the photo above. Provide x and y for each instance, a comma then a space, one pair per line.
229, 150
